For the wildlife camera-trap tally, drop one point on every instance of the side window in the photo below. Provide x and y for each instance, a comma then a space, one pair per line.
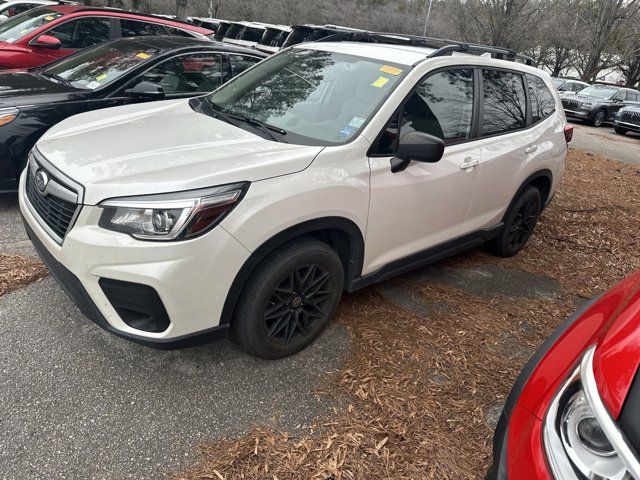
504, 102
239, 63
631, 97
133, 28
542, 102
18, 8
619, 96
442, 106
82, 33
197, 73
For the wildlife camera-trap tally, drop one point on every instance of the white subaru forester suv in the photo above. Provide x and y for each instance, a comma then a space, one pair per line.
327, 167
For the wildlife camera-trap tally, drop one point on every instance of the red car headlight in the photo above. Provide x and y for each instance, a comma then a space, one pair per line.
581, 436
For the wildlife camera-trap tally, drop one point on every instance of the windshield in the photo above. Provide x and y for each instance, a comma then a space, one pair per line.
98, 66
599, 91
233, 31
251, 34
17, 27
558, 81
315, 97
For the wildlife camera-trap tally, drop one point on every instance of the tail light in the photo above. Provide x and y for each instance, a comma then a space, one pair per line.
568, 133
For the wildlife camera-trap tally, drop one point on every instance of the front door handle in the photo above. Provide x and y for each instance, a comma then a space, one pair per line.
531, 149
468, 164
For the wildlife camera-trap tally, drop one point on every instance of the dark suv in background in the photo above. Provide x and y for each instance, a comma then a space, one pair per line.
627, 120
598, 104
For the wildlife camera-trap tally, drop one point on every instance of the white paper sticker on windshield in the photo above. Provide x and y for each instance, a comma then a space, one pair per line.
93, 85
356, 122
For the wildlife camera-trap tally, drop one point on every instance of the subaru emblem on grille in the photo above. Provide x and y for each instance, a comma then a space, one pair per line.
42, 179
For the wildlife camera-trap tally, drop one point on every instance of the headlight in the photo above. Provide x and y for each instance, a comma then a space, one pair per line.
580, 435
589, 104
8, 115
173, 216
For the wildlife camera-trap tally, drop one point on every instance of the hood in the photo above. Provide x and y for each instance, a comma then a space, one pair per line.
630, 108
589, 98
163, 147
24, 88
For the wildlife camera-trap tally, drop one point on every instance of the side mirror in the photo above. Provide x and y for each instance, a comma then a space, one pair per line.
146, 90
419, 147
47, 41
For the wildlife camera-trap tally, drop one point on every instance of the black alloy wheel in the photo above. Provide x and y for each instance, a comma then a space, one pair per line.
289, 299
523, 224
298, 303
519, 223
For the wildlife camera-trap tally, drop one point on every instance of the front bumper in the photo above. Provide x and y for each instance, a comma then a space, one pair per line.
192, 278
577, 113
627, 126
528, 426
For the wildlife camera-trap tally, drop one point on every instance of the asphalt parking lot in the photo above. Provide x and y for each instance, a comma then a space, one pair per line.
77, 402
605, 141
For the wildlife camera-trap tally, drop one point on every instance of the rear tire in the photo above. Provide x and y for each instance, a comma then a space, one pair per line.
519, 224
620, 131
289, 299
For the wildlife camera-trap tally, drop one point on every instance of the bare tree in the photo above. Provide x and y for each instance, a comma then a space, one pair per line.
181, 9
601, 26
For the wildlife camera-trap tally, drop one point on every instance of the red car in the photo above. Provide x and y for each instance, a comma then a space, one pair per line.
44, 34
574, 412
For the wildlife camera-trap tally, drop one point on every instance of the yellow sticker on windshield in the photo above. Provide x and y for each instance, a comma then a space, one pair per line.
143, 55
101, 77
390, 70
48, 18
380, 82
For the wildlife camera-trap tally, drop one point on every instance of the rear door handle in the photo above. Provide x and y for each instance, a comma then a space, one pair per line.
468, 164
531, 149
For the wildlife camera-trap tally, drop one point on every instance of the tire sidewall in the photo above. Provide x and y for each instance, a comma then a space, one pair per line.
595, 122
529, 193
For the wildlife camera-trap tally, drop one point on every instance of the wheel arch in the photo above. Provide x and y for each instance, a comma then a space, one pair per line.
342, 234
542, 180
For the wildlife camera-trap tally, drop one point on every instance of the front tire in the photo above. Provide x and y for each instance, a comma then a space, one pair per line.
620, 131
598, 118
519, 224
289, 299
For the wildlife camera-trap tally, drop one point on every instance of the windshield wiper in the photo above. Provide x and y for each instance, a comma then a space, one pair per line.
57, 78
263, 127
224, 116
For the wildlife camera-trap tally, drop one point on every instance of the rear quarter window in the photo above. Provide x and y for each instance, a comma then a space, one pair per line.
542, 102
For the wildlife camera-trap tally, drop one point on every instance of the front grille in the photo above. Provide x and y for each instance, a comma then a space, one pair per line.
570, 104
55, 213
630, 117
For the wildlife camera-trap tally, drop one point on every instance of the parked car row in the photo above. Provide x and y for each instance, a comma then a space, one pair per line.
44, 34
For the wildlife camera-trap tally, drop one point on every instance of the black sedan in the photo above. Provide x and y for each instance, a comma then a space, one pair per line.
120, 72
598, 104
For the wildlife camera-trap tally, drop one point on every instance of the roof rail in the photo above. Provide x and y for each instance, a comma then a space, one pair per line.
442, 46
496, 52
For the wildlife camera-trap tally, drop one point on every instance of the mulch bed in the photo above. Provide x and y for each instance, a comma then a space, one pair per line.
414, 392
17, 271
